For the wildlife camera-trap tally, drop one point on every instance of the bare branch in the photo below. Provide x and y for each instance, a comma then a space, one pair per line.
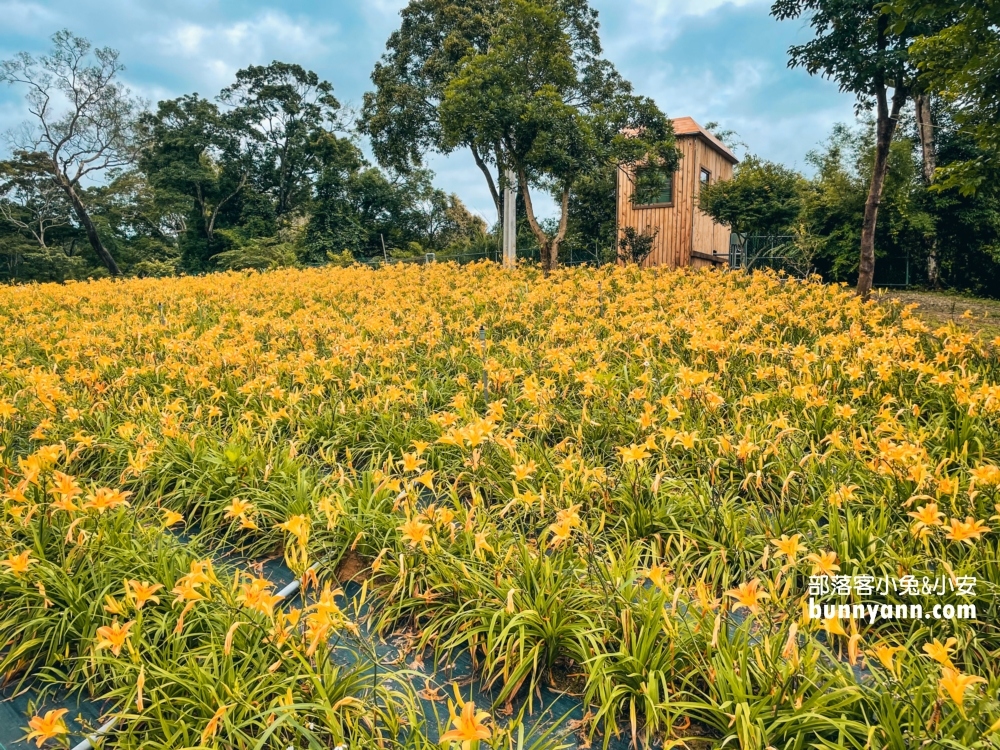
215, 213
93, 134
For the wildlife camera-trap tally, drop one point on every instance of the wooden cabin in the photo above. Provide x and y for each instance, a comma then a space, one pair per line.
652, 200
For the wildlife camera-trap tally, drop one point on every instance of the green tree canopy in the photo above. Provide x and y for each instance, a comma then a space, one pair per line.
291, 115
401, 116
959, 59
762, 198
551, 108
856, 45
193, 149
432, 47
962, 230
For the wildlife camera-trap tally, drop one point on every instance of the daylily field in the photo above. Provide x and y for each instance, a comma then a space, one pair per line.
632, 512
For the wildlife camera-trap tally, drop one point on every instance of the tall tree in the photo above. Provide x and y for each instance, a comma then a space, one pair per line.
924, 121
859, 46
30, 199
553, 111
83, 119
957, 52
292, 114
402, 114
190, 148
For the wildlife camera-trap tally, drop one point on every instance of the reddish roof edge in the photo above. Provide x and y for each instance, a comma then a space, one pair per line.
686, 126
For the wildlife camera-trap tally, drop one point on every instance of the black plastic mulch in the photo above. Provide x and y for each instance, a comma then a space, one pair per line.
432, 685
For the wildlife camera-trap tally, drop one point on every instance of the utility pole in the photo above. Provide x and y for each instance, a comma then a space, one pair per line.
510, 220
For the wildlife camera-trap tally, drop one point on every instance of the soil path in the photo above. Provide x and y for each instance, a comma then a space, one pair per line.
936, 308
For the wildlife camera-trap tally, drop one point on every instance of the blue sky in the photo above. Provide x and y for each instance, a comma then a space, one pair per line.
708, 59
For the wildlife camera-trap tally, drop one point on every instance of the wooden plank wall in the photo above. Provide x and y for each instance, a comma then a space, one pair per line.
672, 245
681, 225
709, 236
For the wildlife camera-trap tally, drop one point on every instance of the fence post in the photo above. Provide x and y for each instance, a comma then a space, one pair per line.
600, 298
163, 319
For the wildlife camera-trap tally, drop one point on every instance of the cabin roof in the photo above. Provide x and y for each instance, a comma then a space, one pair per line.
686, 127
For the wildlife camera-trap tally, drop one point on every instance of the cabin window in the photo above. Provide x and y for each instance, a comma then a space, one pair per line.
654, 186
706, 177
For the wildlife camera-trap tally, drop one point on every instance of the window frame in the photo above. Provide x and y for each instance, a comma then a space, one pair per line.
705, 171
635, 185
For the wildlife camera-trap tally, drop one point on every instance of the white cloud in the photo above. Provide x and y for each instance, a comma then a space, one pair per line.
216, 51
188, 37
271, 29
655, 22
384, 7
752, 97
724, 61
27, 18
662, 9
168, 51
706, 94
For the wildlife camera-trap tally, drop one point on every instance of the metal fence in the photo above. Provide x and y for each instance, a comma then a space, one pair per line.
778, 252
782, 253
576, 258
896, 273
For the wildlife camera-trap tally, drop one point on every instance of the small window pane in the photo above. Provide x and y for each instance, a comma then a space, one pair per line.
653, 185
706, 176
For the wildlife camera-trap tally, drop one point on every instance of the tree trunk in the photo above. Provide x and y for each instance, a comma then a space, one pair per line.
88, 227
540, 236
925, 130
885, 129
548, 247
210, 226
561, 232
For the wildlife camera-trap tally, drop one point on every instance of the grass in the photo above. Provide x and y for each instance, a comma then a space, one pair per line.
942, 308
